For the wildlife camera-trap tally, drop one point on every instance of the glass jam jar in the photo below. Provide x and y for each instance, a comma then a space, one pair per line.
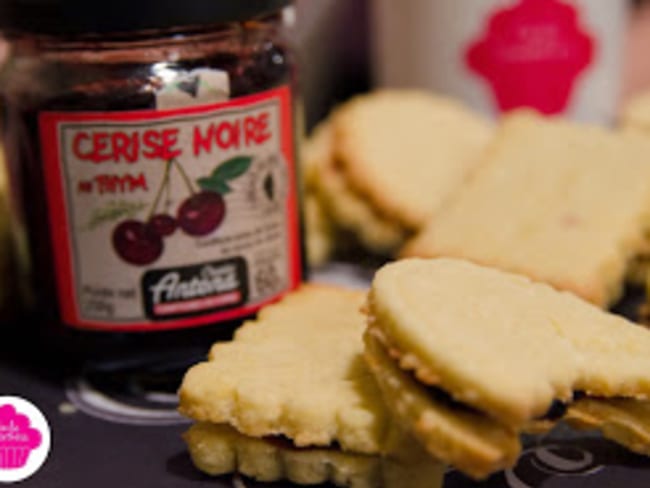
152, 159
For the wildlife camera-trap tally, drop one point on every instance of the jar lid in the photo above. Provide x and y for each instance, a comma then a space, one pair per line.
97, 17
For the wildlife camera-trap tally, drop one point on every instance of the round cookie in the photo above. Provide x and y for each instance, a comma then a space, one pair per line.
345, 209
407, 151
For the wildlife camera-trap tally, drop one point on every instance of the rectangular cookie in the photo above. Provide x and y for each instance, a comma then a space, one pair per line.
562, 203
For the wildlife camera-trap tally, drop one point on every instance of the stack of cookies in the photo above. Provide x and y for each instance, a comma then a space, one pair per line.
449, 364
383, 164
469, 357
292, 398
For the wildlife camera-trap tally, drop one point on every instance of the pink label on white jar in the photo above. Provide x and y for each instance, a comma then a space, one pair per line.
532, 55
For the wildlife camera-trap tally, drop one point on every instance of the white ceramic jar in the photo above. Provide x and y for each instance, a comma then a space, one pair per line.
558, 56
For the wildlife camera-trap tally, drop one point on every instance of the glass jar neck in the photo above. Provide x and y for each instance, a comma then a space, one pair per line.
188, 42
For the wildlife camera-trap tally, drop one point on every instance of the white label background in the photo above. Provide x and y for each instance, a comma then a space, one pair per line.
95, 262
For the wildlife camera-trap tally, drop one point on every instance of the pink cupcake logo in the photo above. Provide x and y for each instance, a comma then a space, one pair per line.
532, 54
24, 439
17, 438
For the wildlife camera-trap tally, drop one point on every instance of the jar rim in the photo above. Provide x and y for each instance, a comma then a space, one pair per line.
155, 46
77, 17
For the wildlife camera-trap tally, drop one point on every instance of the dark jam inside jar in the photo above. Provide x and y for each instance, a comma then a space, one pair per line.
117, 73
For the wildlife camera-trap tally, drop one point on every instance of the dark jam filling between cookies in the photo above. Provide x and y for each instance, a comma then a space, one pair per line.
283, 442
556, 411
440, 396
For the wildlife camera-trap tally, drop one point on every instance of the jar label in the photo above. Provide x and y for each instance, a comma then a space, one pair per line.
532, 54
172, 218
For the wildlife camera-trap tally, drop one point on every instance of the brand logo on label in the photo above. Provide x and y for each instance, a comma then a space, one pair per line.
182, 292
532, 55
24, 439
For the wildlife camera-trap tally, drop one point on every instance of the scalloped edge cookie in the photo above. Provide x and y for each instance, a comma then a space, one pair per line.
220, 449
298, 371
347, 210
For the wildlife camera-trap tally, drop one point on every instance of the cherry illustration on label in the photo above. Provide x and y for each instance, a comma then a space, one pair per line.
136, 243
200, 214
163, 225
532, 54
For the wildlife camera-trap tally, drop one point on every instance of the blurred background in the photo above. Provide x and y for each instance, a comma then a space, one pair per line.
349, 46
333, 37
352, 45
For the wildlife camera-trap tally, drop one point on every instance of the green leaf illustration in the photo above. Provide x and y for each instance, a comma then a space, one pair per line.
232, 168
225, 172
214, 185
